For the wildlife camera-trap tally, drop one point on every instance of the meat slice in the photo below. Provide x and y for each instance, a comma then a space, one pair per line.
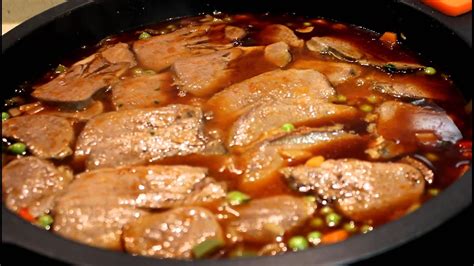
347, 51
279, 33
142, 92
95, 207
119, 53
95, 109
278, 54
277, 84
271, 115
263, 220
172, 234
264, 160
47, 136
361, 190
234, 33
138, 136
406, 90
336, 72
416, 119
205, 74
160, 52
33, 183
76, 87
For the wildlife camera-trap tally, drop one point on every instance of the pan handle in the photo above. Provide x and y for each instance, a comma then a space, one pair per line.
461, 25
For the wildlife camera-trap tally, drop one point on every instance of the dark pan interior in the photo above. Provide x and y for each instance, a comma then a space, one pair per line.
36, 46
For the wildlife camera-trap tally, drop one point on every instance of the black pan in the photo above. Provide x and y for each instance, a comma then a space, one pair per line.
38, 44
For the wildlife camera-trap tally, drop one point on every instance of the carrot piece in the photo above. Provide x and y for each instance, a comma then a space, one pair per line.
389, 37
450, 7
335, 237
25, 214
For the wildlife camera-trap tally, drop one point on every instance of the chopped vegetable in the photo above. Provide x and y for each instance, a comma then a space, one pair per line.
25, 214
333, 219
315, 161
314, 237
430, 71
350, 227
340, 99
5, 116
451, 7
17, 148
366, 228
298, 243
144, 35
316, 222
373, 99
389, 38
390, 67
206, 248
60, 69
334, 237
326, 210
311, 199
431, 156
366, 108
137, 71
288, 127
149, 72
433, 192
237, 197
45, 221
307, 24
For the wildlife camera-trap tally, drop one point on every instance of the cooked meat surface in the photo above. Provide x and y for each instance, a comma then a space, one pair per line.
278, 54
172, 234
271, 115
279, 33
47, 136
142, 92
263, 220
277, 84
119, 53
32, 183
405, 90
336, 72
203, 75
138, 136
96, 108
361, 190
234, 33
95, 207
416, 119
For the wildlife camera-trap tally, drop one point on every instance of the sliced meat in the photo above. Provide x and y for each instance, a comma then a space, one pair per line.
277, 84
76, 87
404, 90
278, 54
336, 72
95, 109
234, 33
47, 136
138, 136
346, 51
119, 53
205, 74
171, 234
263, 161
279, 33
95, 207
33, 183
160, 52
361, 190
416, 119
271, 115
263, 220
142, 92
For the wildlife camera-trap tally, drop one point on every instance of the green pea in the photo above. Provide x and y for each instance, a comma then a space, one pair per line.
366, 108
5, 116
17, 148
314, 237
350, 227
237, 197
144, 35
366, 228
307, 24
430, 71
326, 210
311, 199
298, 243
316, 222
372, 99
333, 219
207, 247
45, 221
288, 127
433, 192
340, 98
137, 71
